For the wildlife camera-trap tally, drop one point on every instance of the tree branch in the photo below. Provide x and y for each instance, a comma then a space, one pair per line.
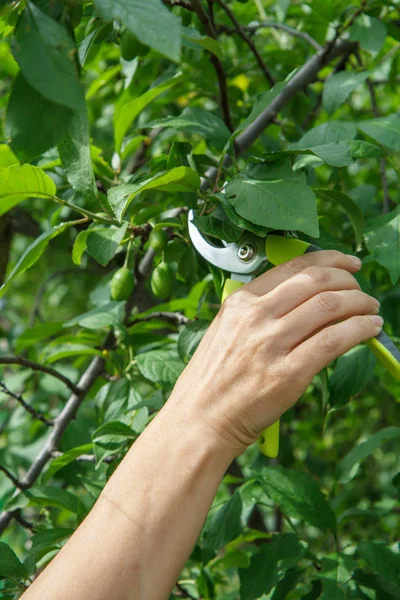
217, 64
172, 317
11, 477
240, 30
290, 30
24, 362
18, 397
85, 457
183, 3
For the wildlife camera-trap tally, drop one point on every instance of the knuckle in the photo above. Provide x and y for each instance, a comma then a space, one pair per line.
295, 265
360, 323
329, 302
328, 342
336, 256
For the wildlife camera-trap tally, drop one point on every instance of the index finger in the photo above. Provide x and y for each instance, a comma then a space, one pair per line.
324, 258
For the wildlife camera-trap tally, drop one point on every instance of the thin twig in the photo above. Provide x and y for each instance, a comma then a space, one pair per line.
172, 317
11, 477
24, 362
86, 457
18, 397
217, 64
272, 25
240, 30
20, 519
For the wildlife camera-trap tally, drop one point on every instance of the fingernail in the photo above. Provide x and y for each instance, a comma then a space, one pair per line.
377, 320
355, 260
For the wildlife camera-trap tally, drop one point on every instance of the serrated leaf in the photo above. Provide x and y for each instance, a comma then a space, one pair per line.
149, 21
33, 253
102, 244
65, 459
327, 133
160, 366
352, 372
196, 120
43, 541
179, 179
75, 155
226, 524
352, 210
263, 573
190, 337
106, 315
385, 130
299, 496
383, 561
383, 240
336, 154
113, 431
339, 87
218, 225
348, 466
187, 265
126, 113
272, 195
34, 123
370, 32
238, 220
19, 182
46, 54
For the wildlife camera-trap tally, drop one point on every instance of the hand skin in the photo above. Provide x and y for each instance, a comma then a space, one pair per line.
257, 358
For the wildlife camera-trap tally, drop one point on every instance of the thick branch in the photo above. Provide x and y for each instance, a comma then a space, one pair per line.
249, 42
217, 64
18, 397
24, 362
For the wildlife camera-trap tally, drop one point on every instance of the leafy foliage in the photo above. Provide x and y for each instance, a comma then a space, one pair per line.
97, 151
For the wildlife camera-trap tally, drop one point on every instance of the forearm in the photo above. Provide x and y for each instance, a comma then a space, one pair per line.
135, 541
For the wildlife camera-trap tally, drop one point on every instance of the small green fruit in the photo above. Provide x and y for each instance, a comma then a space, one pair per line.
131, 47
158, 240
162, 281
122, 284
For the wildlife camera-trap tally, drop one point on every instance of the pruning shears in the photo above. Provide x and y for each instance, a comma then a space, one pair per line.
244, 260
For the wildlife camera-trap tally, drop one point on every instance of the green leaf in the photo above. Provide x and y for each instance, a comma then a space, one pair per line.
46, 540
218, 225
383, 240
149, 20
126, 113
263, 573
102, 244
7, 156
179, 179
339, 87
33, 335
75, 155
385, 130
226, 524
187, 265
336, 154
272, 195
46, 54
348, 466
17, 183
383, 561
10, 565
190, 337
112, 432
65, 459
299, 496
58, 352
352, 372
191, 38
363, 149
109, 314
54, 496
160, 366
370, 32
260, 105
33, 123
238, 220
351, 208
196, 120
80, 245
33, 253
327, 133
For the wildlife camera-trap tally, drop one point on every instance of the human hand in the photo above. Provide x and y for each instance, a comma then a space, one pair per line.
268, 341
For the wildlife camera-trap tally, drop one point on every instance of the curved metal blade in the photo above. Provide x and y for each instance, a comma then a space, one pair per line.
227, 257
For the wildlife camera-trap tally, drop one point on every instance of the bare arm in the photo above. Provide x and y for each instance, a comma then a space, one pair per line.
258, 356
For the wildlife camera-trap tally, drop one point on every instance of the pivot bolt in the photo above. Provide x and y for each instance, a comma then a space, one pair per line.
247, 252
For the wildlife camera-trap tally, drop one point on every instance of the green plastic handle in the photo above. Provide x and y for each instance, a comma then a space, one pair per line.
280, 249
268, 442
